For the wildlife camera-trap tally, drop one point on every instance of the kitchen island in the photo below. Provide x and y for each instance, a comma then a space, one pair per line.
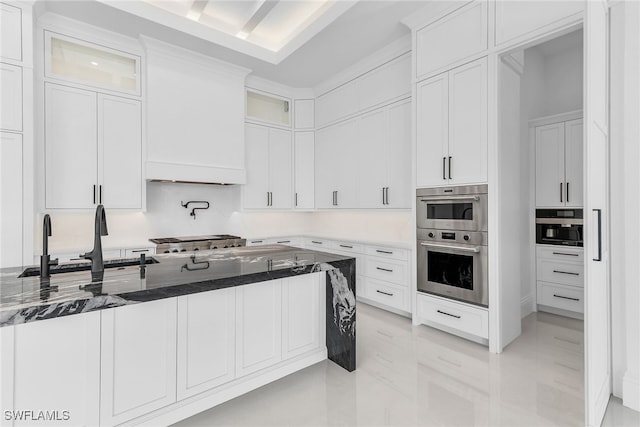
159, 343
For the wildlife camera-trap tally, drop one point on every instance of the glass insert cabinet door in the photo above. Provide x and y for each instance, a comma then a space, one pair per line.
268, 108
75, 60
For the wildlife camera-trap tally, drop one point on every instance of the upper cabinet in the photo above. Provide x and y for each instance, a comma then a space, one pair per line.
304, 170
452, 124
10, 97
11, 37
195, 116
559, 158
514, 19
80, 62
269, 168
102, 134
453, 38
377, 87
267, 108
304, 111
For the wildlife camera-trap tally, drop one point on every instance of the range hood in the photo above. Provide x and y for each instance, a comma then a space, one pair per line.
193, 174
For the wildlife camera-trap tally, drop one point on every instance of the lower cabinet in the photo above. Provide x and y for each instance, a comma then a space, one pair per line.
470, 321
51, 366
206, 341
138, 352
258, 326
301, 317
560, 279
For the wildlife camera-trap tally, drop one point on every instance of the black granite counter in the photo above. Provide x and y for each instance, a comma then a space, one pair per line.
28, 299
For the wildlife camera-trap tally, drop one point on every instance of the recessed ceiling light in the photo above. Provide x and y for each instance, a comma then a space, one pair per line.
194, 15
94, 63
242, 35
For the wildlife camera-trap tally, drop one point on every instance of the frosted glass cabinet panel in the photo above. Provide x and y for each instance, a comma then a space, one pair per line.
266, 108
75, 60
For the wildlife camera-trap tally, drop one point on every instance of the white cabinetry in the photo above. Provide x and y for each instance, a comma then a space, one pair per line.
10, 96
337, 157
269, 168
53, 365
467, 320
102, 134
453, 38
267, 108
258, 326
559, 164
304, 170
11, 199
560, 277
11, 24
138, 360
386, 277
518, 18
304, 113
381, 85
452, 127
301, 317
195, 116
206, 341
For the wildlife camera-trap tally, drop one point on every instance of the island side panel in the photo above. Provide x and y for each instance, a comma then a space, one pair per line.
341, 314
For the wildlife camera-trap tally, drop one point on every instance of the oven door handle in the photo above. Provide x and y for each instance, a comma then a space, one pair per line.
450, 199
475, 249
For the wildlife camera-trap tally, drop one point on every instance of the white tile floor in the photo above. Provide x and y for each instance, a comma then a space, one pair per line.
420, 376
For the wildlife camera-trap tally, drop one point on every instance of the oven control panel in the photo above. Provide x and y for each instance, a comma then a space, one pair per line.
457, 236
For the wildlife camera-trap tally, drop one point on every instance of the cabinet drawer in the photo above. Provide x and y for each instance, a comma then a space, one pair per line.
565, 273
564, 297
388, 252
387, 293
350, 247
560, 253
389, 270
318, 244
472, 320
289, 241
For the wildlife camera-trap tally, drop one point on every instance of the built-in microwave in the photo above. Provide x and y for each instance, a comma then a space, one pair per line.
559, 227
452, 208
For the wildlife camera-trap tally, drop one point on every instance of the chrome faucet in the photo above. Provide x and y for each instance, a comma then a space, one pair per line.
45, 261
100, 229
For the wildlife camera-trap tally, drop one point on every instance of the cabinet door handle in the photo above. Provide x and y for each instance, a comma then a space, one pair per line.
450, 167
296, 199
346, 246
563, 297
599, 224
384, 252
560, 192
566, 272
444, 168
384, 200
94, 194
283, 241
567, 192
565, 254
256, 241
388, 270
268, 198
384, 293
139, 250
100, 191
316, 242
336, 197
448, 314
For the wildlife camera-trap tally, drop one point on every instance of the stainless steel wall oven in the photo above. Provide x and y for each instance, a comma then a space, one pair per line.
452, 243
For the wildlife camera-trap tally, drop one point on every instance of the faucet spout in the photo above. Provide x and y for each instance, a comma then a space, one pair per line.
95, 255
45, 261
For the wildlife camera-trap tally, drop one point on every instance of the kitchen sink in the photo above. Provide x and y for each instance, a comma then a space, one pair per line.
85, 266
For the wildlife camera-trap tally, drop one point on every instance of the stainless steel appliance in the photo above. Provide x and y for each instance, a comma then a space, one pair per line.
452, 243
559, 227
452, 208
196, 243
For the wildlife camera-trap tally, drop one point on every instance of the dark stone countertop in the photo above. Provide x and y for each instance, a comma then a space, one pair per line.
25, 300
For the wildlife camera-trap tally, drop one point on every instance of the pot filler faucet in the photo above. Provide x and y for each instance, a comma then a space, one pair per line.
100, 229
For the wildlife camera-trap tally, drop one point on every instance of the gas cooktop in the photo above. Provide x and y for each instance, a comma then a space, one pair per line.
197, 243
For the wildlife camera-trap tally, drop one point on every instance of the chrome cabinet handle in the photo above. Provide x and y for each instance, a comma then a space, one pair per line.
448, 314
566, 272
563, 297
565, 254
384, 293
384, 269
474, 249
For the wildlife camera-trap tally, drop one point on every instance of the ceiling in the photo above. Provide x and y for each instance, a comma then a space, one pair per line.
356, 32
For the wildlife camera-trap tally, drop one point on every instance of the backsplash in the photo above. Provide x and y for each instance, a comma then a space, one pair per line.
165, 217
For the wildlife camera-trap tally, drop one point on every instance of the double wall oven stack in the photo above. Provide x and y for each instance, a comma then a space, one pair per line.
452, 242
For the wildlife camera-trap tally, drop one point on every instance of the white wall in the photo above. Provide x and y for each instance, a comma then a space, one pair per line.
392, 227
625, 201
